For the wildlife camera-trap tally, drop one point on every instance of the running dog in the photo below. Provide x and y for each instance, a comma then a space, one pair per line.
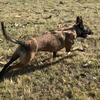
48, 42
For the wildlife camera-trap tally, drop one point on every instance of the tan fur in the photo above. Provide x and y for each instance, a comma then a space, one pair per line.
51, 42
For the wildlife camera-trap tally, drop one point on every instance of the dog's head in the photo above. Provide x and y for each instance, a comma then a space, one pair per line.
81, 29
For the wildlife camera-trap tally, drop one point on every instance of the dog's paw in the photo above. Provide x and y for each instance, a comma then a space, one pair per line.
69, 53
85, 47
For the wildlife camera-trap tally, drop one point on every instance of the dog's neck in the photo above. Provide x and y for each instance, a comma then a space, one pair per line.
76, 28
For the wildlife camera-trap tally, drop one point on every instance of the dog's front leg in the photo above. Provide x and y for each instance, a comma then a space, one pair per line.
24, 60
82, 48
54, 54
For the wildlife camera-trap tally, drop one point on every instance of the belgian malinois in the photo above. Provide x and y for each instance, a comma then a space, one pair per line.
47, 42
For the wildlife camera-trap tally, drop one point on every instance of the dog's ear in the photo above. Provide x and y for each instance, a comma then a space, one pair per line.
79, 21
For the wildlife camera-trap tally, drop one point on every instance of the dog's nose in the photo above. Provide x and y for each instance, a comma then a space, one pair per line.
90, 32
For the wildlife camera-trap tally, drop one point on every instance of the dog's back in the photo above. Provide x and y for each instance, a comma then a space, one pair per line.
50, 42
55, 42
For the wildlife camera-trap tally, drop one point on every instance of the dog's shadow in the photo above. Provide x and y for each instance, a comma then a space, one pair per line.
32, 68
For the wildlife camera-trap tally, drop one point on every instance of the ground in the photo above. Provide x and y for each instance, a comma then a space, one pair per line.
68, 77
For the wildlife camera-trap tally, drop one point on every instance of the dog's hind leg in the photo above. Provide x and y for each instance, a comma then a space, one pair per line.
23, 61
14, 57
54, 54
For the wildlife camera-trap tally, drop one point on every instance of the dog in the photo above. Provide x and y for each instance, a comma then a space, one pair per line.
53, 42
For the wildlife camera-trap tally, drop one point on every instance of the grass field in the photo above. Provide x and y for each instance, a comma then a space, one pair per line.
68, 77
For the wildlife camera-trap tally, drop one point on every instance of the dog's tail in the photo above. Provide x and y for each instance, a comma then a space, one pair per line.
9, 39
